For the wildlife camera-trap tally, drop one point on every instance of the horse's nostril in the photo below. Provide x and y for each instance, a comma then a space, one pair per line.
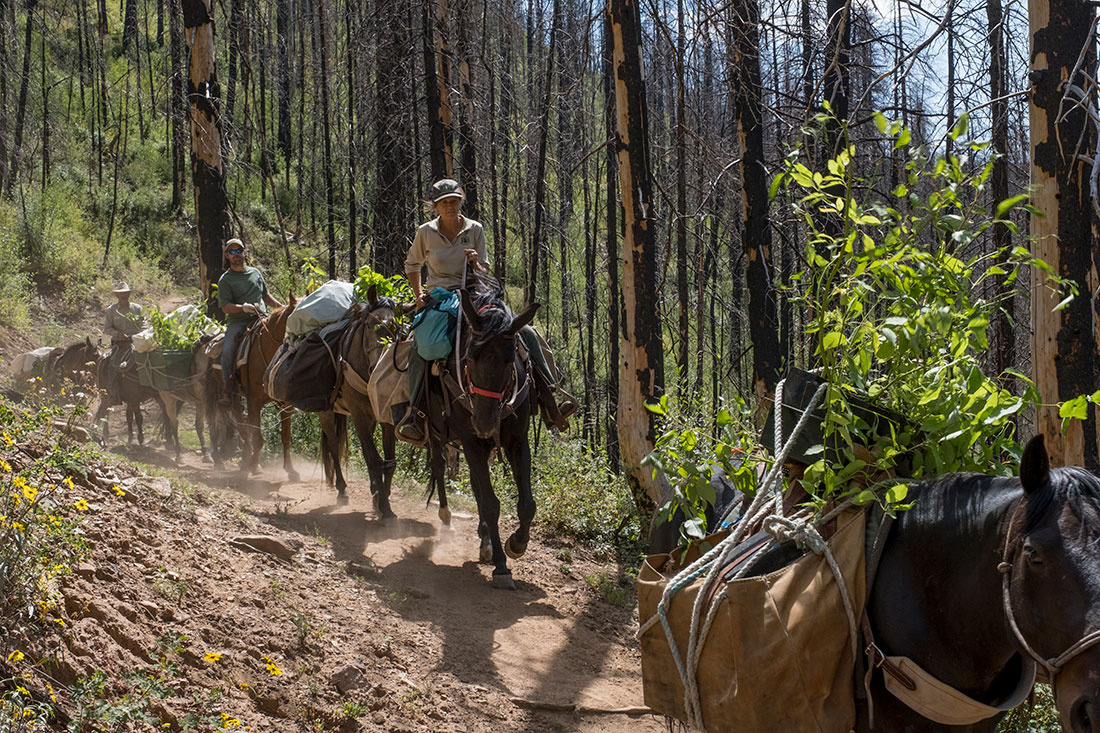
1082, 716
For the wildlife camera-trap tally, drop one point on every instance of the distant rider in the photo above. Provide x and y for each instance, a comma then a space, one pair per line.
121, 321
242, 295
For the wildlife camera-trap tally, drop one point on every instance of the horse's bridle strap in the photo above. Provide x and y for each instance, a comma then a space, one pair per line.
485, 393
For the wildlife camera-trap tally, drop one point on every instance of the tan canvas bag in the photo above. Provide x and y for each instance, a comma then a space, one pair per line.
389, 382
778, 655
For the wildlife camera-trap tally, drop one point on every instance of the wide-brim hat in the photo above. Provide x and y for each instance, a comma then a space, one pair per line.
446, 188
121, 287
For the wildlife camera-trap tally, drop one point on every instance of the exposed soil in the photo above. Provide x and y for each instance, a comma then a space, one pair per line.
373, 625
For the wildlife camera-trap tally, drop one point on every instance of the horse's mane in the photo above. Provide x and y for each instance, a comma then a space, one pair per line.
487, 297
1072, 485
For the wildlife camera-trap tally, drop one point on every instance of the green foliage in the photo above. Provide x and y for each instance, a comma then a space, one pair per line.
40, 508
897, 313
19, 711
1038, 718
579, 497
98, 710
690, 452
178, 333
396, 287
898, 317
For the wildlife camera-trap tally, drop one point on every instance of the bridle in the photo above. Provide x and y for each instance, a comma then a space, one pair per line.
1053, 665
511, 382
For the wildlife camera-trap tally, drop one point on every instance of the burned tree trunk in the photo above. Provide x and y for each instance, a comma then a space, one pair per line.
1063, 342
641, 373
207, 163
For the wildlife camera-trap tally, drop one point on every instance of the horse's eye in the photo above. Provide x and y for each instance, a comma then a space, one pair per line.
1032, 555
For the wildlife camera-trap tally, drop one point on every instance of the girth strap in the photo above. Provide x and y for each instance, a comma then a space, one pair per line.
909, 682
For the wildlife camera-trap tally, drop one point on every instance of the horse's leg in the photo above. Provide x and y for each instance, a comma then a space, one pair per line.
253, 438
518, 452
389, 464
437, 482
139, 420
284, 430
376, 467
331, 455
101, 414
171, 423
200, 427
477, 461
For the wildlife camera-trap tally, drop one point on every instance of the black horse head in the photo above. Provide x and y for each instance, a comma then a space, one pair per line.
1053, 560
490, 351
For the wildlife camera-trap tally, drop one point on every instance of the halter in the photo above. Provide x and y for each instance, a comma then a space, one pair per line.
1052, 665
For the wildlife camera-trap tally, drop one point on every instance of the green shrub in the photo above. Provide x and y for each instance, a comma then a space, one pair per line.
578, 496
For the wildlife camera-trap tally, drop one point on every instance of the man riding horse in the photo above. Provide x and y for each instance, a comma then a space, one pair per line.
121, 321
447, 246
242, 295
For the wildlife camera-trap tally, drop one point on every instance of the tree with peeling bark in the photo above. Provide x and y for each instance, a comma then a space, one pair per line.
207, 161
641, 371
1063, 341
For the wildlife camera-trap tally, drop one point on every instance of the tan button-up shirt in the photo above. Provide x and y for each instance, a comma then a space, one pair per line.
118, 326
445, 257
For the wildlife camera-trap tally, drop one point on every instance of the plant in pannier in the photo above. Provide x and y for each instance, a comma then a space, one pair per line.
898, 305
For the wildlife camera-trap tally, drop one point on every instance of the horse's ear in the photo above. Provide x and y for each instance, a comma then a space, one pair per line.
468, 308
523, 319
291, 300
372, 294
1035, 466
88, 340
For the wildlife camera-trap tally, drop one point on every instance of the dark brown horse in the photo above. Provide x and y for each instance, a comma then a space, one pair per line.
365, 339
269, 338
192, 390
493, 410
984, 580
131, 393
75, 363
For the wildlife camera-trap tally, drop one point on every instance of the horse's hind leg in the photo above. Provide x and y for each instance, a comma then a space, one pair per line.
284, 431
381, 471
101, 414
437, 469
518, 452
333, 433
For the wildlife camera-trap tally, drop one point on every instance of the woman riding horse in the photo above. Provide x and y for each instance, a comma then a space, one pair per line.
447, 246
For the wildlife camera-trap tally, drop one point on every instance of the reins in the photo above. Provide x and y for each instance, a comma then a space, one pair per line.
1053, 665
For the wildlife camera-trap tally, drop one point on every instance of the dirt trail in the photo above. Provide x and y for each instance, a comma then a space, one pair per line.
552, 655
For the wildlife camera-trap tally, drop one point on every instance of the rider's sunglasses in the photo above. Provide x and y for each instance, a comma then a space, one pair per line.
236, 251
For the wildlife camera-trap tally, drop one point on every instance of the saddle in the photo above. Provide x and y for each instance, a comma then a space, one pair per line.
213, 348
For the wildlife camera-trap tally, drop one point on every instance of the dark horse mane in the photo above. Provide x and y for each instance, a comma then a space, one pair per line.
486, 292
1075, 487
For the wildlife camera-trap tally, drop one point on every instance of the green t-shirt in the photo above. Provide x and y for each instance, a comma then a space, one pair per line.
242, 287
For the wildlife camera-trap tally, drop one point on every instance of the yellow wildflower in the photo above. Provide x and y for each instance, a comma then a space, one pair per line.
8, 440
22, 690
59, 621
18, 526
19, 482
81, 504
29, 493
53, 697
68, 482
16, 656
272, 667
212, 656
118, 490
4, 466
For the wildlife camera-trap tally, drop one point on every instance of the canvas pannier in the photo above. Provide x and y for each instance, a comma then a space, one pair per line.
302, 373
389, 382
778, 655
163, 369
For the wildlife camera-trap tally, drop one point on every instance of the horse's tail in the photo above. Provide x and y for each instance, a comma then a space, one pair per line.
330, 460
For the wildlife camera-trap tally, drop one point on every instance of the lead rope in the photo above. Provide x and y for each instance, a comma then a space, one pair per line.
459, 371
767, 501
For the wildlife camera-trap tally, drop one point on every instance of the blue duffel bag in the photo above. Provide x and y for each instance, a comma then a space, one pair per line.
433, 327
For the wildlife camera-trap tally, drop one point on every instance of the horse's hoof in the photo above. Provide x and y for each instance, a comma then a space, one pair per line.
514, 552
293, 476
207, 459
445, 515
486, 554
503, 581
342, 499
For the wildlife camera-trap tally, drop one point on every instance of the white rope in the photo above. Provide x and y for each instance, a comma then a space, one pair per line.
767, 502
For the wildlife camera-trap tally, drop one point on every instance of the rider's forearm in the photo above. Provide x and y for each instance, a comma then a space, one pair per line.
414, 282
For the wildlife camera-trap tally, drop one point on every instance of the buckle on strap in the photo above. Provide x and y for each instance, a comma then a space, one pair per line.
878, 659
